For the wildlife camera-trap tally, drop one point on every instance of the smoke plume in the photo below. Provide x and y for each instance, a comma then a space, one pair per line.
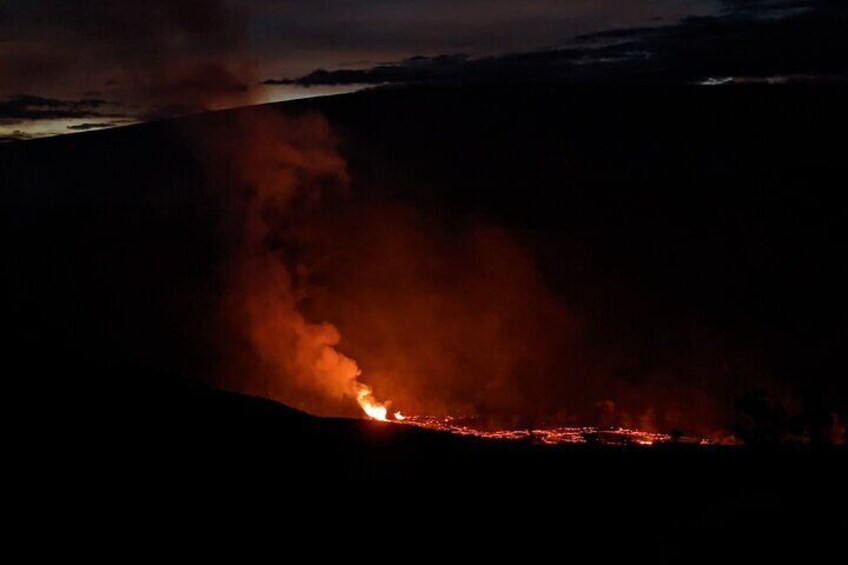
326, 292
444, 320
278, 173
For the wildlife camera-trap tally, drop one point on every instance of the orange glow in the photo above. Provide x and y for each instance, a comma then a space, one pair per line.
374, 409
547, 436
465, 323
377, 410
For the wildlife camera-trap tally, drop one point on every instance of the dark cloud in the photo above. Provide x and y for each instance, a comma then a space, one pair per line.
338, 30
166, 111
776, 9
410, 70
16, 135
812, 42
29, 100
768, 6
748, 41
28, 108
88, 126
144, 48
162, 59
561, 64
188, 52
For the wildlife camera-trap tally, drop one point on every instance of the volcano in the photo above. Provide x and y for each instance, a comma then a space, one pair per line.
551, 293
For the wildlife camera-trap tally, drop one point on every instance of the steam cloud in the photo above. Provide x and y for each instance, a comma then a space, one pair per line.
444, 322
324, 291
278, 172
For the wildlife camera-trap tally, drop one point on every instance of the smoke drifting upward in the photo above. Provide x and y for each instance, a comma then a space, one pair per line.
278, 173
326, 293
446, 320
452, 321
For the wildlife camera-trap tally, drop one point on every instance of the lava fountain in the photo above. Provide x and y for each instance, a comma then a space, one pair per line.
371, 406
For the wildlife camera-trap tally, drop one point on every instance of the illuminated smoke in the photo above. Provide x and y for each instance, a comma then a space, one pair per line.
276, 173
337, 305
444, 322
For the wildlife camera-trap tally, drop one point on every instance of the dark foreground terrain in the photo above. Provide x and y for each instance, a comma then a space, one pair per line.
721, 206
215, 449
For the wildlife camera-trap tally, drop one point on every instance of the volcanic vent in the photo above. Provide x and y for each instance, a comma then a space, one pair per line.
348, 305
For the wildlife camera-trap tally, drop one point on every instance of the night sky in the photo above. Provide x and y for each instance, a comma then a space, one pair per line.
74, 66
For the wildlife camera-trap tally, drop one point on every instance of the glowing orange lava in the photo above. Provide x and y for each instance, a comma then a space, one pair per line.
371, 406
541, 436
377, 410
548, 436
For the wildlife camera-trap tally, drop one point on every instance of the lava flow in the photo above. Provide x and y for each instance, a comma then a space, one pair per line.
546, 436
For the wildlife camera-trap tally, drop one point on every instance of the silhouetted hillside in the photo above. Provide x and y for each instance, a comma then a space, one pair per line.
660, 210
688, 225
